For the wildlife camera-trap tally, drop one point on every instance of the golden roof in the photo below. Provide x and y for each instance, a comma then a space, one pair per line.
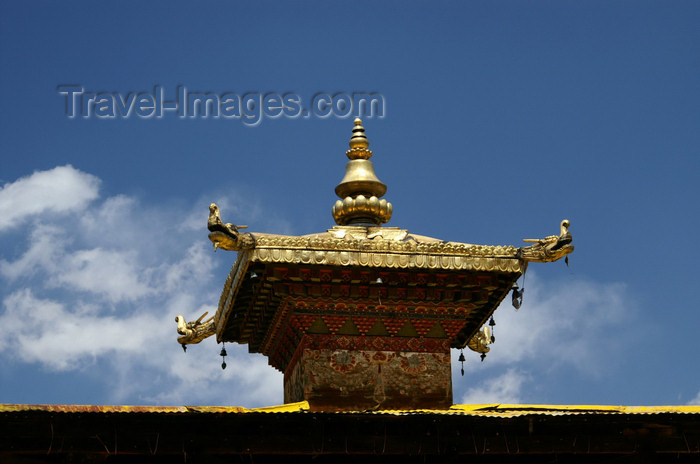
361, 253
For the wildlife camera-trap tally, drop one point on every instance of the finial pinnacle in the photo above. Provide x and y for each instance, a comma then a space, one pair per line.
360, 190
358, 142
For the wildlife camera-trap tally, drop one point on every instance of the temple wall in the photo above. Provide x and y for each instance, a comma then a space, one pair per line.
366, 379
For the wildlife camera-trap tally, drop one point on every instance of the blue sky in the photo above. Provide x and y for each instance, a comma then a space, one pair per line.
501, 119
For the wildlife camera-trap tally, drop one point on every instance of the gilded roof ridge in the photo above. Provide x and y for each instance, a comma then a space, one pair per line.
410, 244
375, 239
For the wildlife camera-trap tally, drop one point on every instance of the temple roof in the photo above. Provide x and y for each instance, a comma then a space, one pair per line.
476, 433
361, 278
368, 271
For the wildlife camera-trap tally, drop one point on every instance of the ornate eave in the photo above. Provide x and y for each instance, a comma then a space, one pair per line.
368, 272
383, 247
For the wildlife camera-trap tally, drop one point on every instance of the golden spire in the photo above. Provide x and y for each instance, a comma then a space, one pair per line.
360, 189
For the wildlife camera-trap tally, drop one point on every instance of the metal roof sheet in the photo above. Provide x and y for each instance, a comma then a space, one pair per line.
483, 410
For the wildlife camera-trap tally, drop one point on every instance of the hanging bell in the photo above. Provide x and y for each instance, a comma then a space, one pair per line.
483, 356
184, 348
517, 297
492, 322
223, 356
461, 357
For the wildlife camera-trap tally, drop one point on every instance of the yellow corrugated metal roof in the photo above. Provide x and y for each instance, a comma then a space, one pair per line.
522, 409
485, 410
78, 408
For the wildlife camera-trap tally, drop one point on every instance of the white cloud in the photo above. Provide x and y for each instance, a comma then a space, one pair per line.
504, 389
137, 354
45, 331
59, 190
571, 322
695, 401
197, 263
247, 379
46, 243
116, 275
98, 296
567, 327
